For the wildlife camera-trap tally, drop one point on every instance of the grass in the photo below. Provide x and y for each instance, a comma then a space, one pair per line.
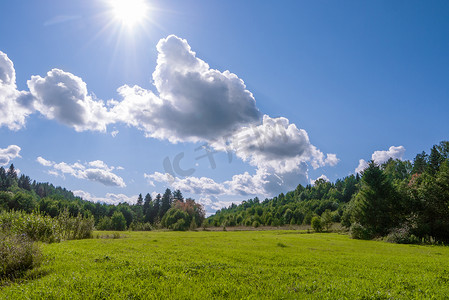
248, 265
18, 254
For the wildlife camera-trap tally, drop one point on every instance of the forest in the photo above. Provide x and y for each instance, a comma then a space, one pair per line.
169, 210
401, 201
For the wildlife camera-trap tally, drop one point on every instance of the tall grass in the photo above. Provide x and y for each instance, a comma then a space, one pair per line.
20, 231
46, 229
18, 254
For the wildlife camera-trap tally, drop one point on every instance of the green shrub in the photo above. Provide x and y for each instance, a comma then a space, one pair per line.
256, 224
402, 235
34, 226
44, 228
139, 226
118, 221
75, 228
281, 245
326, 219
317, 224
176, 219
193, 224
105, 223
359, 232
180, 225
18, 254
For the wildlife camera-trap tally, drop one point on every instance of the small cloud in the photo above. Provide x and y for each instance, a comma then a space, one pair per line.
96, 170
114, 133
331, 160
382, 156
363, 164
323, 177
110, 198
8, 154
44, 162
393, 152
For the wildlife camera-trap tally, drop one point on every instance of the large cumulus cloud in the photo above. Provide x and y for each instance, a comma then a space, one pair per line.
195, 102
63, 96
15, 105
277, 145
191, 102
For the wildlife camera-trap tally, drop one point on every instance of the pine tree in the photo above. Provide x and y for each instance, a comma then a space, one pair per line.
377, 206
140, 200
166, 202
177, 195
435, 160
157, 208
11, 176
3, 186
147, 206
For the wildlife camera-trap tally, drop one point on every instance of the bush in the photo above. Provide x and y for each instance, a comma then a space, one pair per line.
35, 227
105, 223
402, 235
139, 226
45, 228
180, 225
256, 224
317, 224
118, 221
193, 224
176, 219
75, 228
326, 219
359, 232
18, 254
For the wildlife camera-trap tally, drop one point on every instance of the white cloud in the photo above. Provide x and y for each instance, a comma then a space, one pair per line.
363, 164
8, 154
63, 96
192, 102
213, 203
331, 160
109, 198
393, 152
15, 105
103, 176
114, 133
382, 156
246, 184
276, 145
190, 184
97, 171
7, 71
44, 162
323, 177
199, 186
195, 102
262, 184
99, 164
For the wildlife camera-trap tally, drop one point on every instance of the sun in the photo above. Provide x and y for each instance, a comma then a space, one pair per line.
129, 12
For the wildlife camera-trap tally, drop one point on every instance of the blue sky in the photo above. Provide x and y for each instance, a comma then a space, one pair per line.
337, 82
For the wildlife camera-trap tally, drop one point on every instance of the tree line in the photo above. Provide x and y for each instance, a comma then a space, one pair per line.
401, 201
169, 210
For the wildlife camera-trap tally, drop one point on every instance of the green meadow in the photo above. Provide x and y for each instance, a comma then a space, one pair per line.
235, 265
